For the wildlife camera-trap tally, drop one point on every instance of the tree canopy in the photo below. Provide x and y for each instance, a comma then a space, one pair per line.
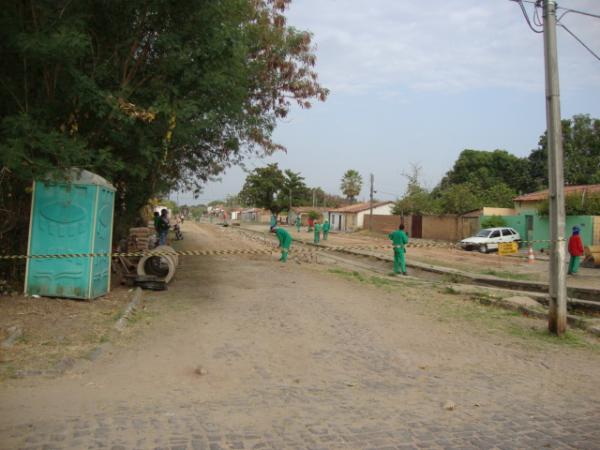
153, 95
351, 184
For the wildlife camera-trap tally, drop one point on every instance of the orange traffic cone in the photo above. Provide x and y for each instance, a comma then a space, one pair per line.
530, 256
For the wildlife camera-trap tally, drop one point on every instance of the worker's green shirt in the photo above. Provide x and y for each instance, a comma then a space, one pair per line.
317, 228
285, 238
398, 237
326, 226
298, 222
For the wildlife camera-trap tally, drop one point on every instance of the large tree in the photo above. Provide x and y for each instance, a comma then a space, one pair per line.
154, 95
581, 146
351, 184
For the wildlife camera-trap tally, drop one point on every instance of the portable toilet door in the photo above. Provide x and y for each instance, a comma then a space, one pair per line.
70, 217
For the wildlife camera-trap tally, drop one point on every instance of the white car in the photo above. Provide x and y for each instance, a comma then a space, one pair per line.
489, 238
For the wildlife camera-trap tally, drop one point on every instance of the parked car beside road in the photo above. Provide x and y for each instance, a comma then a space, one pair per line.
489, 238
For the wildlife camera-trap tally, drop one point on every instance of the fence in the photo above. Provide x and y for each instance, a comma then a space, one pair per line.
446, 228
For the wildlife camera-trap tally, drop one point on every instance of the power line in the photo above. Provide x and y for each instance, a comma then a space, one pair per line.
579, 40
576, 11
538, 22
520, 3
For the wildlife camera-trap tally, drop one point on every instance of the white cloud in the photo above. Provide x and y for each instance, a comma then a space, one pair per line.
440, 45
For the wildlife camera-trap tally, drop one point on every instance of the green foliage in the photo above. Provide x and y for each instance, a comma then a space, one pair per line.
314, 215
576, 205
493, 222
262, 187
581, 148
351, 184
417, 199
460, 198
486, 170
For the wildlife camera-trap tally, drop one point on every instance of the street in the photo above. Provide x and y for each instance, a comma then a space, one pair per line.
243, 352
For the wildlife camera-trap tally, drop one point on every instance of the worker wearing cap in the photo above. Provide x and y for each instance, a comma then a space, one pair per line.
575, 250
298, 223
285, 241
317, 232
326, 227
399, 240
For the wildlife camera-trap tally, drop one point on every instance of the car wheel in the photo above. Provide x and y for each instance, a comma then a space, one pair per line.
483, 248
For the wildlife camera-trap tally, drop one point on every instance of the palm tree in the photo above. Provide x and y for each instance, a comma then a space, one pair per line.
351, 184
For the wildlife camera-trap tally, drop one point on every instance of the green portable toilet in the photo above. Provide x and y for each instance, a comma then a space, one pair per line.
70, 217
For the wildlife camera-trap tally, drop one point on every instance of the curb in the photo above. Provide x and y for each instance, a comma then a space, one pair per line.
129, 310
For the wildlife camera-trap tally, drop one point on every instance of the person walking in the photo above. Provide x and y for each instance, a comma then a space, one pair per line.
399, 240
285, 241
326, 227
317, 232
298, 223
575, 250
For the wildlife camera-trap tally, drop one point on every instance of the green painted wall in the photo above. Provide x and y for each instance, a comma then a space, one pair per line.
541, 227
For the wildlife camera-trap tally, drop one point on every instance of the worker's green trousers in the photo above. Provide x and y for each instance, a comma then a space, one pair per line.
284, 255
399, 260
317, 238
325, 233
298, 228
574, 264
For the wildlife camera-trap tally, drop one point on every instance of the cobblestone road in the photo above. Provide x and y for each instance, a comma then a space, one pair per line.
294, 357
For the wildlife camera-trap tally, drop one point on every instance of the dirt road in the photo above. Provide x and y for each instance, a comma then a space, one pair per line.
245, 352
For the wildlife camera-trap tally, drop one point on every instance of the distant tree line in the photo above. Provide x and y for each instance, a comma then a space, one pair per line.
482, 178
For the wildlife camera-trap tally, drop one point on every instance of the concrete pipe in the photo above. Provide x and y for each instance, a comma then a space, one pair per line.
162, 267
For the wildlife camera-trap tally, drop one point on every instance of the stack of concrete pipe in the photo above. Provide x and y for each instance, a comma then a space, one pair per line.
172, 261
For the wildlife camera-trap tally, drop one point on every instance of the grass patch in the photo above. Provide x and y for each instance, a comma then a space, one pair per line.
453, 278
506, 274
364, 279
571, 338
450, 290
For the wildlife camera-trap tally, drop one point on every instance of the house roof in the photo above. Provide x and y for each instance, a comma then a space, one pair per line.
543, 195
358, 207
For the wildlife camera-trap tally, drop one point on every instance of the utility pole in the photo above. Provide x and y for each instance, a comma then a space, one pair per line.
290, 210
371, 204
557, 316
314, 197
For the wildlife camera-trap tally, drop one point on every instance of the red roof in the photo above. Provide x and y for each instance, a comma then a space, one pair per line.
358, 207
543, 195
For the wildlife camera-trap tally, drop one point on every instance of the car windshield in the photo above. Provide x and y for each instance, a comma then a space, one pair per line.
483, 233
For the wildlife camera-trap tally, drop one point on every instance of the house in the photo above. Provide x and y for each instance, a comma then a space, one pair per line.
533, 226
303, 212
236, 214
351, 217
531, 202
256, 215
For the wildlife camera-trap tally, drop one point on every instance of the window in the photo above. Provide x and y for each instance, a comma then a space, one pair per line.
507, 232
495, 234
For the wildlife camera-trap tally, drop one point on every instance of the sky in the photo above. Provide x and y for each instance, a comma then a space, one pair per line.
416, 82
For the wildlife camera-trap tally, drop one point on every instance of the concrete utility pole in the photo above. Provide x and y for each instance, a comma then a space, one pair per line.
557, 316
290, 210
314, 197
371, 204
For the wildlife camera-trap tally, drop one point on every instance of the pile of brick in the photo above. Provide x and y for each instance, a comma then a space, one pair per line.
140, 239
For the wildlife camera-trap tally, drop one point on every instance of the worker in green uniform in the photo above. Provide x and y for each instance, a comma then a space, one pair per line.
399, 240
326, 227
317, 233
285, 241
298, 223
